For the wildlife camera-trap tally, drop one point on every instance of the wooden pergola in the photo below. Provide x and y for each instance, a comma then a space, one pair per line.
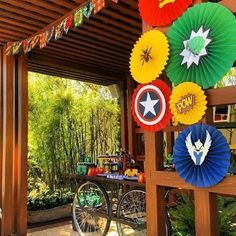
98, 51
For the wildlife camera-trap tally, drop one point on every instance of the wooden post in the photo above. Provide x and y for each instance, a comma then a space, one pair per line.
155, 195
206, 215
22, 141
123, 110
14, 106
131, 123
7, 154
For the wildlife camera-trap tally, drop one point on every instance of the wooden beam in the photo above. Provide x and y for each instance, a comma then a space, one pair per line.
221, 96
172, 179
206, 214
230, 4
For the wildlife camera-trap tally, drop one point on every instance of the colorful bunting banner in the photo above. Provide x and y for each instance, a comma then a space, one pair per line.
75, 20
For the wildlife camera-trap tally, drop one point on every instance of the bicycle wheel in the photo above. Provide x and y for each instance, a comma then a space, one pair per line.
132, 210
91, 208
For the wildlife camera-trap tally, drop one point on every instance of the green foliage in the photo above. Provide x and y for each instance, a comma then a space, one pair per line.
67, 121
45, 200
183, 218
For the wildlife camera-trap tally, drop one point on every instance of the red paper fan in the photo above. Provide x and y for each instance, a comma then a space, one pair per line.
150, 105
162, 12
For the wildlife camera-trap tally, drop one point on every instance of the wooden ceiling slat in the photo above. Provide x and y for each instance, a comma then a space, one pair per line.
119, 17
102, 32
87, 70
6, 38
25, 13
18, 24
89, 48
131, 3
104, 39
20, 18
83, 52
80, 61
31, 7
126, 11
50, 6
74, 37
20, 30
69, 4
69, 41
18, 35
90, 58
111, 29
81, 64
108, 20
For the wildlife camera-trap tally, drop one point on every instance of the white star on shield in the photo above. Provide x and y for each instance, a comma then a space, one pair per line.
149, 105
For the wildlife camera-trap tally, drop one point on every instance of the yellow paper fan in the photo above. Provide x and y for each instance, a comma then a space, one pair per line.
149, 56
188, 103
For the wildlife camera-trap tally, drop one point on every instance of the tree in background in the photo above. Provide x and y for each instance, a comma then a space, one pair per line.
68, 120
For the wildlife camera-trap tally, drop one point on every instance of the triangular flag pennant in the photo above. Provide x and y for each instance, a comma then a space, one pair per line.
50, 33
78, 18
98, 5
26, 45
43, 40
45, 37
59, 30
67, 23
9, 48
88, 9
34, 41
16, 47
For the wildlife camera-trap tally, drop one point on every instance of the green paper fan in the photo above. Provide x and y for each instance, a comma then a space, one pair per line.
202, 45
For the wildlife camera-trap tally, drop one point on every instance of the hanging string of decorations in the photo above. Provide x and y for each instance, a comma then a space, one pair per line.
56, 32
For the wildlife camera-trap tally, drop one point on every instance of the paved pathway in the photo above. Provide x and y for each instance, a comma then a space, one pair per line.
62, 229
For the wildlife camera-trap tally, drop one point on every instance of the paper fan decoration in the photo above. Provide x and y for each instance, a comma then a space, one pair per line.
150, 105
201, 155
188, 103
149, 56
202, 45
162, 12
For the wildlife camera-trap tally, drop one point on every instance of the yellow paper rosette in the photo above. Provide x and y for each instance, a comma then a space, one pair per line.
149, 56
188, 103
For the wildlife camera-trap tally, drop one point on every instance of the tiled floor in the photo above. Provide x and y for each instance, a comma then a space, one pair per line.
62, 229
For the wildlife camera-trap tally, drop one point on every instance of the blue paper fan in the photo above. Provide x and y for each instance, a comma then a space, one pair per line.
201, 155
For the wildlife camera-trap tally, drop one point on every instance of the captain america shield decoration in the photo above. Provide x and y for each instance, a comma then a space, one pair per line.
150, 105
